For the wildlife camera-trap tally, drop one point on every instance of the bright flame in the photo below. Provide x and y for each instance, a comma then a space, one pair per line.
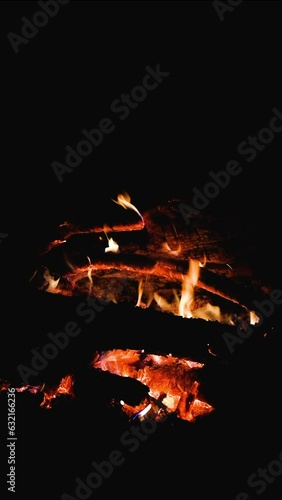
89, 275
52, 283
165, 305
125, 201
254, 319
208, 312
188, 285
203, 264
186, 305
140, 293
144, 299
112, 246
167, 248
144, 412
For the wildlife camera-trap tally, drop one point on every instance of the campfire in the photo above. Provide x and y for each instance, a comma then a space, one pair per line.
155, 260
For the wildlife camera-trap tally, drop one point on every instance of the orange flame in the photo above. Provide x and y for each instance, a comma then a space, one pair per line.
124, 200
188, 286
52, 283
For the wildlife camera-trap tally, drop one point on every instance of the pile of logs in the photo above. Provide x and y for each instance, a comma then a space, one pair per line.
154, 252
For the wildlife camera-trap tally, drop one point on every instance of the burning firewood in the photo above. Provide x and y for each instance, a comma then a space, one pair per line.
155, 260
67, 229
186, 269
164, 279
172, 383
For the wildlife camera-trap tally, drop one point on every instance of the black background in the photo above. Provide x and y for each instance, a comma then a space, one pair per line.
224, 81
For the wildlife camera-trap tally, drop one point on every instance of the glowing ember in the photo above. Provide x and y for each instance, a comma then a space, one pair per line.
172, 384
65, 388
171, 380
